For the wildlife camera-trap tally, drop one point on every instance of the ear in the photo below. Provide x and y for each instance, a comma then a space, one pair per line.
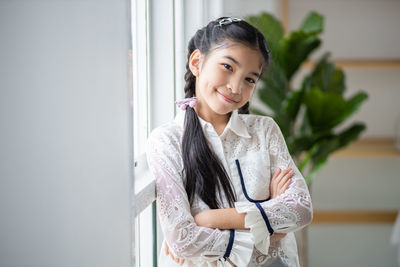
194, 62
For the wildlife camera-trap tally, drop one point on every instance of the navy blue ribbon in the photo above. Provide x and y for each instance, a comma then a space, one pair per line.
257, 202
244, 187
270, 230
230, 244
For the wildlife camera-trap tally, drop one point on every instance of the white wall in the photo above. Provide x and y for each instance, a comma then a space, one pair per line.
65, 139
360, 184
354, 29
239, 8
361, 30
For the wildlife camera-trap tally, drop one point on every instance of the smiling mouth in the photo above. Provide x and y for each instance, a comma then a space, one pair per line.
226, 98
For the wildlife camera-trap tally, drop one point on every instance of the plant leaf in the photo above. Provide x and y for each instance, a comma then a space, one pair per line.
273, 87
295, 50
352, 106
300, 143
327, 77
271, 28
350, 134
323, 109
313, 23
291, 103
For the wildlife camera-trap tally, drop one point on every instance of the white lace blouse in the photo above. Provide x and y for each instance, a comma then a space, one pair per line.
251, 148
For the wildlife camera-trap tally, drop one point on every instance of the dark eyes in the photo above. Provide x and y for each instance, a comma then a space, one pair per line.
229, 67
250, 80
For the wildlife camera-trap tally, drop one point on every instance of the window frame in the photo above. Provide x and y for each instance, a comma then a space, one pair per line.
160, 32
152, 98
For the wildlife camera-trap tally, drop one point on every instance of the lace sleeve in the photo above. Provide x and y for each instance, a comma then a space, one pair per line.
288, 212
184, 238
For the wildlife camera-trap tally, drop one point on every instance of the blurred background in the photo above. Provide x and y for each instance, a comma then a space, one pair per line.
83, 82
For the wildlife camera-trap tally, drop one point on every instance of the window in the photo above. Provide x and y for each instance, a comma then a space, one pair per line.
160, 30
154, 81
143, 242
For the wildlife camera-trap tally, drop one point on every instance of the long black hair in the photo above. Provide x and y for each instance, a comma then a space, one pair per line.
205, 175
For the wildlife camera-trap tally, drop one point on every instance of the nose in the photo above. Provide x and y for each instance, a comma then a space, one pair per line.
235, 85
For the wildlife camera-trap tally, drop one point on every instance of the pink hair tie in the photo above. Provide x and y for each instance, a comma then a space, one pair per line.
183, 104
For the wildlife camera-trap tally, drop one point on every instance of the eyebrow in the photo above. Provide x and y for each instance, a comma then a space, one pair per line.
237, 63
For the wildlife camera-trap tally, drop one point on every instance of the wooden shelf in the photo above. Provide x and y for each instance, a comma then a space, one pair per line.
369, 147
354, 217
361, 63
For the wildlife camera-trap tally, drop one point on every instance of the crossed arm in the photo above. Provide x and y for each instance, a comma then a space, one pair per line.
230, 219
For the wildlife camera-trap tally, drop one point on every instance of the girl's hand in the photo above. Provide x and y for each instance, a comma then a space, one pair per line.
280, 182
167, 252
277, 237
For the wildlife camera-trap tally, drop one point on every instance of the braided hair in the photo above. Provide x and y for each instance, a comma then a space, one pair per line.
205, 176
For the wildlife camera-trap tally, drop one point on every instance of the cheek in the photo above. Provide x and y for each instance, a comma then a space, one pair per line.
216, 77
247, 94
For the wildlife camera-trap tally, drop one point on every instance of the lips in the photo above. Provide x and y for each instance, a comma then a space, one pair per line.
227, 98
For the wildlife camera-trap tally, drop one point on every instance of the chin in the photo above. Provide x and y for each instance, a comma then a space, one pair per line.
222, 110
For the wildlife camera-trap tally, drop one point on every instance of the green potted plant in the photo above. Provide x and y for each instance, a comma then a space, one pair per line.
309, 115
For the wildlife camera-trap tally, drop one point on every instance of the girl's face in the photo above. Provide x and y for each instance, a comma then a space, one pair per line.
225, 79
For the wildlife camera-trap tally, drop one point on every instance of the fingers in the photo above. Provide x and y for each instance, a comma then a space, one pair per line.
166, 249
277, 237
286, 185
180, 261
286, 177
275, 179
280, 181
277, 172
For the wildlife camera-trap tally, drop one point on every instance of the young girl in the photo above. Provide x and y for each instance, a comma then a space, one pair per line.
228, 191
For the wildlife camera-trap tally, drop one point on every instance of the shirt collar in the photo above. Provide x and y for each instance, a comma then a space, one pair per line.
235, 123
